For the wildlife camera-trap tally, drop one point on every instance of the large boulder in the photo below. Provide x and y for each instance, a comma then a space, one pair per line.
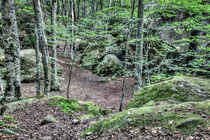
116, 50
109, 65
91, 59
28, 64
184, 117
175, 90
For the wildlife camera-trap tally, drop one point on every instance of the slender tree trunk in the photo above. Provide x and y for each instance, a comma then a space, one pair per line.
54, 79
124, 76
120, 3
101, 4
84, 9
110, 3
9, 46
73, 20
72, 52
139, 49
1, 87
63, 11
78, 10
74, 10
58, 13
16, 51
38, 63
133, 8
42, 43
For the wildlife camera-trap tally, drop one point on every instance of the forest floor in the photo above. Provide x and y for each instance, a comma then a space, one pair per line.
87, 86
28, 119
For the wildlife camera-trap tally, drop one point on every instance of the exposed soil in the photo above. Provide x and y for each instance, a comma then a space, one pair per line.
29, 117
88, 87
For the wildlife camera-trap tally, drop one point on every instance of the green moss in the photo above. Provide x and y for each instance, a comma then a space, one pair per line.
69, 106
8, 118
92, 109
109, 65
86, 117
177, 89
4, 125
66, 105
10, 107
169, 116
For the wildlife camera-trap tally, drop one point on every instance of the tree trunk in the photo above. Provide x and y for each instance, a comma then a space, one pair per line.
1, 87
38, 64
110, 3
139, 49
101, 3
78, 10
84, 9
9, 47
54, 79
133, 8
42, 43
72, 52
16, 50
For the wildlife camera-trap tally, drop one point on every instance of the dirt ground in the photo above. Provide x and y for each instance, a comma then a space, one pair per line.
88, 87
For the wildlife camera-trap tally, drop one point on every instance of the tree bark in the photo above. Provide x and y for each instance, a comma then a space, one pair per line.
84, 9
72, 51
9, 46
42, 43
133, 8
110, 3
16, 50
38, 63
78, 10
101, 3
139, 49
54, 79
1, 87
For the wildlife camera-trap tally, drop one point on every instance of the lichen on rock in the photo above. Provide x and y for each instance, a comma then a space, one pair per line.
109, 65
175, 90
172, 117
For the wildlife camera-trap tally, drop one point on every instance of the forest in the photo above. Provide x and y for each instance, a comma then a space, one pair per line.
104, 69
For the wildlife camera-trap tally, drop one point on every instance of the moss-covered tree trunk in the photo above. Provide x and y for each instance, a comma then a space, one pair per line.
1, 86
54, 81
9, 46
38, 63
110, 3
84, 8
42, 43
16, 50
139, 48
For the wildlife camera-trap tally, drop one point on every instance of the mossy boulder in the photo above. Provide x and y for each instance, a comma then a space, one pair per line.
175, 90
28, 65
70, 106
109, 65
10, 107
91, 59
175, 117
